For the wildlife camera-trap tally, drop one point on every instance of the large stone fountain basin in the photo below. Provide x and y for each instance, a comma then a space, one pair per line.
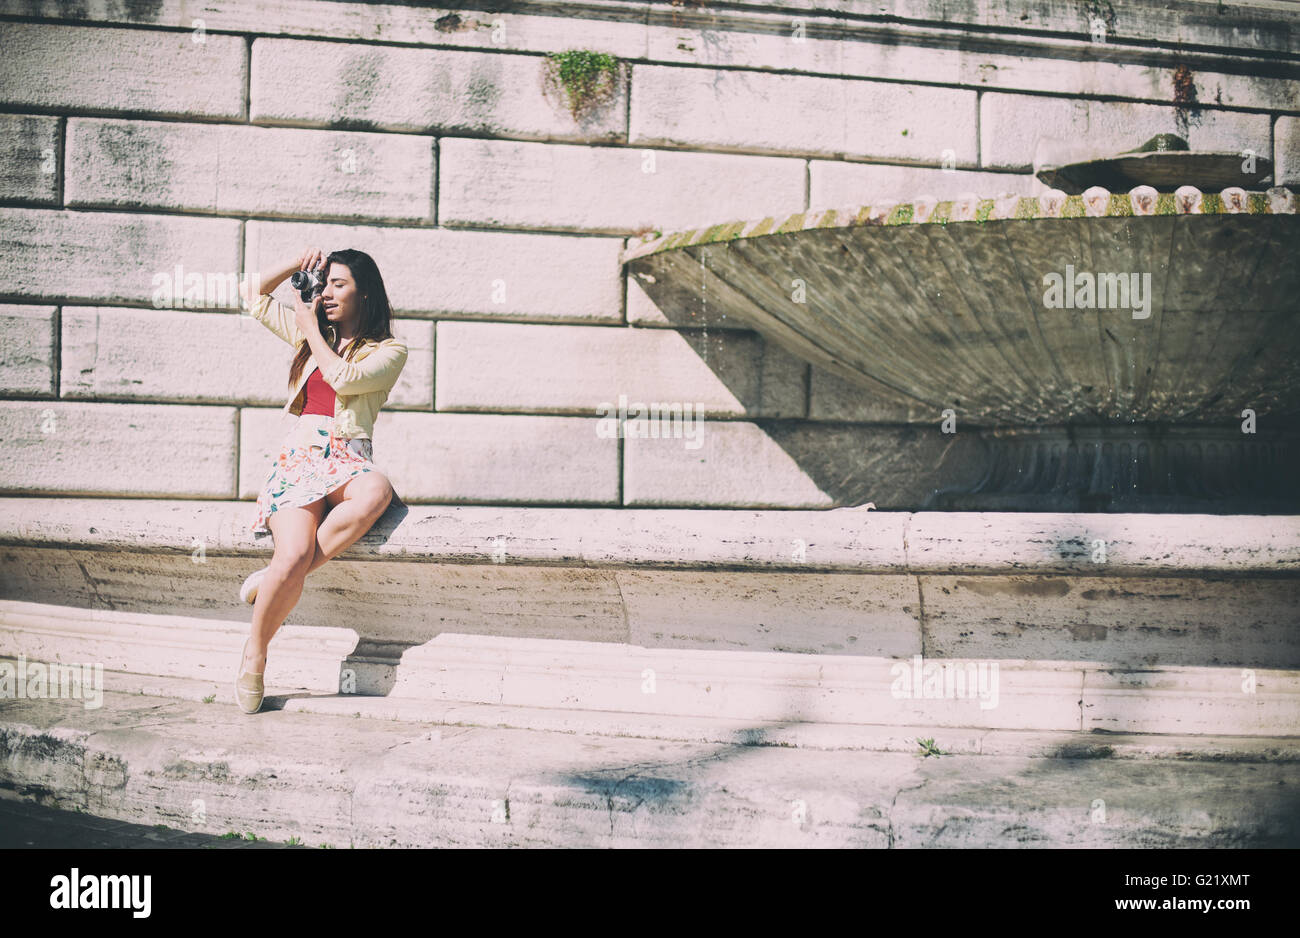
957, 310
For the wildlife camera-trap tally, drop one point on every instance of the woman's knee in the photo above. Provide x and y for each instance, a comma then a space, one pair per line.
295, 541
386, 492
293, 560
378, 493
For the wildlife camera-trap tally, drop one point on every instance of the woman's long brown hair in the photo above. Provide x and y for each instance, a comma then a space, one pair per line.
376, 314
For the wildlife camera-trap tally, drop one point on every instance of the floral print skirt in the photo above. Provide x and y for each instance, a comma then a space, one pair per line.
312, 463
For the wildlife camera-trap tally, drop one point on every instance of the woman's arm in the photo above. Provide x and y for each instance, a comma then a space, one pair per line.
276, 317
266, 310
378, 371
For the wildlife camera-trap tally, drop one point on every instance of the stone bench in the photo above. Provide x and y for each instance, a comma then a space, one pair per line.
1129, 590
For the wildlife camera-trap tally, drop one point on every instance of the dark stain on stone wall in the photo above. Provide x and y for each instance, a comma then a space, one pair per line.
1188, 108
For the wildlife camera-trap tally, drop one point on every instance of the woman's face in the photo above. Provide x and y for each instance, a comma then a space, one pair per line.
340, 296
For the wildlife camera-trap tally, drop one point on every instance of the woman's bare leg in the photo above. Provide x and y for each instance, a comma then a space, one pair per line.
355, 507
294, 530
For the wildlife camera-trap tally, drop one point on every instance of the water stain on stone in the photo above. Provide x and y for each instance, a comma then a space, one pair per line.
1087, 632
352, 103
998, 586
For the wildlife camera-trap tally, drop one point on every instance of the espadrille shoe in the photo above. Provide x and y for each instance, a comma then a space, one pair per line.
249, 687
248, 592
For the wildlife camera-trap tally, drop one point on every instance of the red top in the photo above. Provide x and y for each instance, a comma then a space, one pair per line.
320, 396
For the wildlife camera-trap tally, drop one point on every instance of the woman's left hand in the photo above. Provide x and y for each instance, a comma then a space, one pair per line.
305, 314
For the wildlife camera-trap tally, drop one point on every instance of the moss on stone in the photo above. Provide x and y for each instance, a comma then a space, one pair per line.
901, 215
1119, 205
1074, 207
587, 78
711, 234
1162, 143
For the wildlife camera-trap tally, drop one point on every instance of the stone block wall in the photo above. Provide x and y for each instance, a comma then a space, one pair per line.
144, 143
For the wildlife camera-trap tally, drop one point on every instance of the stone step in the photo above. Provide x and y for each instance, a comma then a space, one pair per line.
766, 687
953, 740
344, 781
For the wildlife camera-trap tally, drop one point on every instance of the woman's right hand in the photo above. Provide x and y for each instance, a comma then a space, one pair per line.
311, 258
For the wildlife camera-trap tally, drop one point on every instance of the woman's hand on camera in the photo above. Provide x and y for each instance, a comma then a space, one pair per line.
306, 315
311, 258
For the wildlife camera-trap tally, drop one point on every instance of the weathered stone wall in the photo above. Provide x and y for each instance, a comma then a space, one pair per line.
142, 142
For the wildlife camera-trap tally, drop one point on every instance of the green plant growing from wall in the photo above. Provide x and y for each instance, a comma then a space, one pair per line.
928, 748
587, 79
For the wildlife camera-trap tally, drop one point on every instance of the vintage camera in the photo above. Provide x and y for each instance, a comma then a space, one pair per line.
309, 283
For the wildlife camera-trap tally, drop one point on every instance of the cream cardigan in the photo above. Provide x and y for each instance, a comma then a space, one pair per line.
361, 386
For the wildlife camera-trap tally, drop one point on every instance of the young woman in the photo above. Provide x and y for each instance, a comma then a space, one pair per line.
346, 365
